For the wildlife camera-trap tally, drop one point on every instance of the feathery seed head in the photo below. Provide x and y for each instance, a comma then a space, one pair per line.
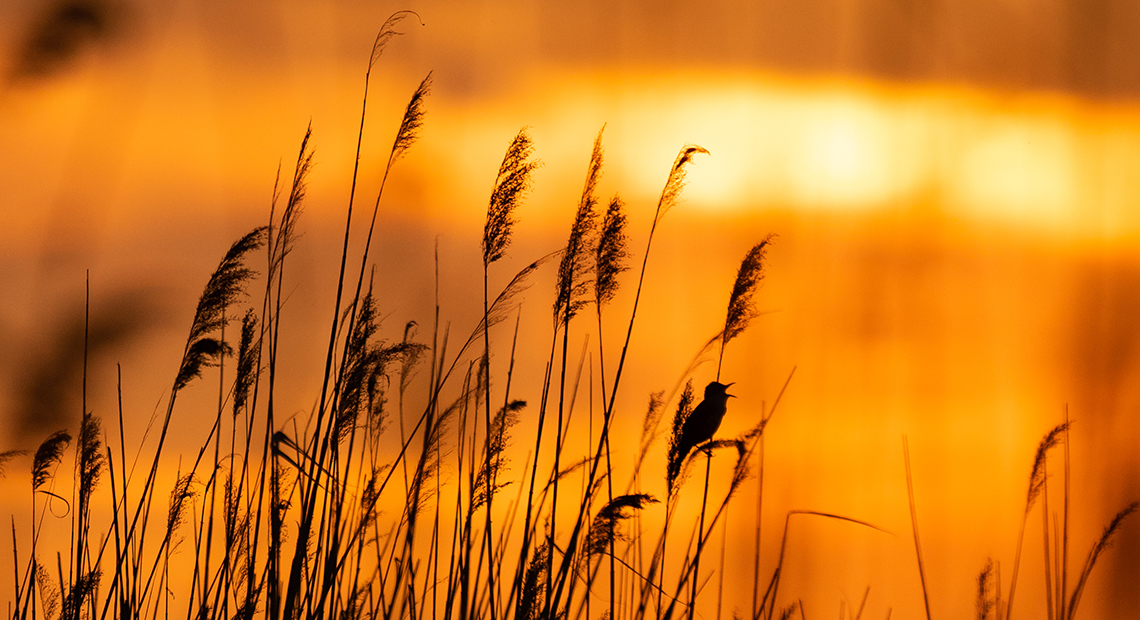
676, 181
7, 456
741, 309
223, 289
511, 185
47, 456
413, 120
249, 347
604, 529
611, 253
286, 229
1037, 476
574, 271
387, 31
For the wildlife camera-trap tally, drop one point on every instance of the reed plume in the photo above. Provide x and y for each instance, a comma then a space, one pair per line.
1037, 481
48, 456
511, 186
677, 450
984, 603
741, 308
1101, 545
741, 470
49, 593
611, 253
180, 496
489, 471
574, 271
287, 228
676, 180
1037, 475
359, 363
89, 464
249, 351
387, 32
7, 456
91, 459
604, 529
236, 522
82, 590
412, 122
411, 355
531, 598
223, 289
405, 354
649, 432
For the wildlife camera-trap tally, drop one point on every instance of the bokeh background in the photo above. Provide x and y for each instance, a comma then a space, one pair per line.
953, 185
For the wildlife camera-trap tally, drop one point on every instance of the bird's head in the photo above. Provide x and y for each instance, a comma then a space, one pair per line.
718, 390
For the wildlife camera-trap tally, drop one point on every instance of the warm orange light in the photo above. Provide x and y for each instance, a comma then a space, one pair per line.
895, 285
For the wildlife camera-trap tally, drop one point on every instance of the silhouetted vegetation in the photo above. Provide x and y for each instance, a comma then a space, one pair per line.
322, 518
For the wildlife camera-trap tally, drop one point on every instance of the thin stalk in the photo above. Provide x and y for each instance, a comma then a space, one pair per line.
1045, 546
914, 527
700, 537
1065, 523
720, 571
759, 522
669, 196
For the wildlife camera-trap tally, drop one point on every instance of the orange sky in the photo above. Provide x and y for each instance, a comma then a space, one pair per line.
952, 186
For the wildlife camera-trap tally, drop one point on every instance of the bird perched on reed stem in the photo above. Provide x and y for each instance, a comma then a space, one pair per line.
694, 427
705, 419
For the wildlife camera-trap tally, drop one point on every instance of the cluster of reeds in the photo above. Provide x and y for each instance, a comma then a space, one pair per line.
321, 517
1062, 596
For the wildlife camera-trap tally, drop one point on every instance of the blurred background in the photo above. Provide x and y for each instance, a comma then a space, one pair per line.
953, 186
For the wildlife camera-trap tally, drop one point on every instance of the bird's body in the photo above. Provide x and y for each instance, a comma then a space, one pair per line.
705, 419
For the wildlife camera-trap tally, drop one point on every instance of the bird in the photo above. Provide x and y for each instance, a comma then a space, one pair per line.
701, 424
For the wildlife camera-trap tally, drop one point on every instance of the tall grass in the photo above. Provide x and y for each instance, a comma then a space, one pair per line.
330, 516
1061, 601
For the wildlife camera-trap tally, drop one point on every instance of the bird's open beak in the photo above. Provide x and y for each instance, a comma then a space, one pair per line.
728, 385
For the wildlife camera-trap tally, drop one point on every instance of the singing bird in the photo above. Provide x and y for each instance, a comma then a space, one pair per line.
703, 422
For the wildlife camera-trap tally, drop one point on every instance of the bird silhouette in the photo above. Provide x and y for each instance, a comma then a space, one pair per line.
700, 426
